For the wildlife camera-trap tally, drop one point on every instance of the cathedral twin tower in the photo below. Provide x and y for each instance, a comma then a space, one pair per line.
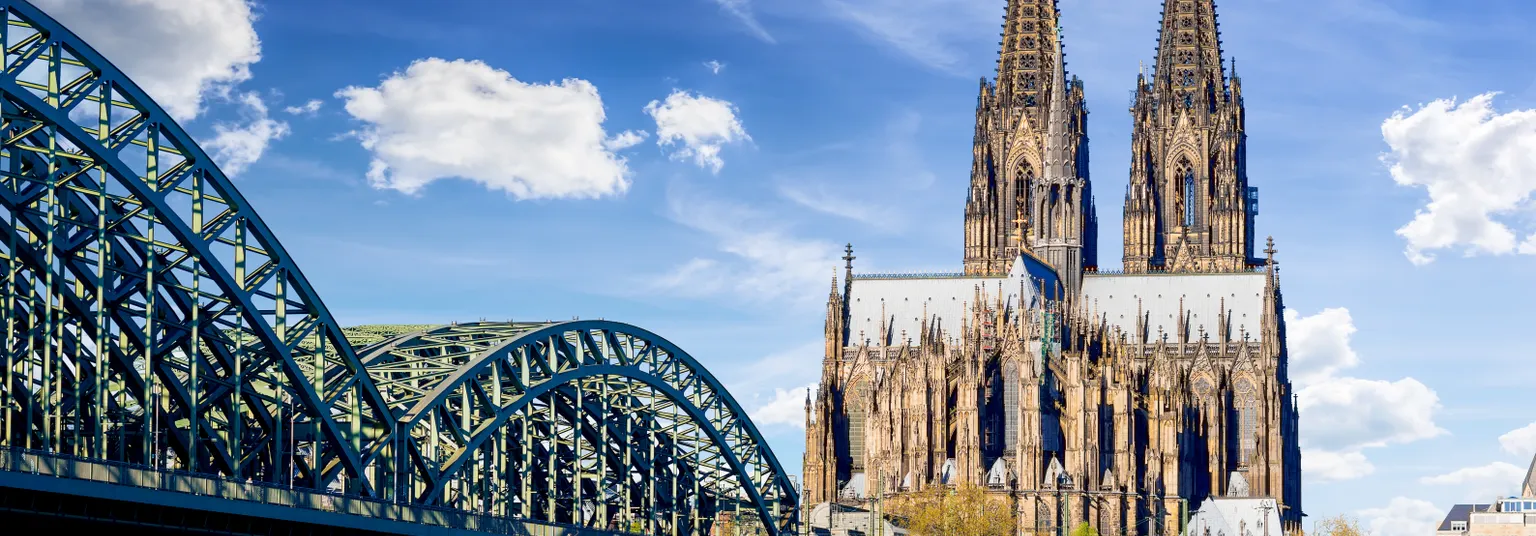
1122, 400
1188, 207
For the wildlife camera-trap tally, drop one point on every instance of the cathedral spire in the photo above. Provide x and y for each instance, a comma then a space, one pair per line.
1058, 159
1024, 63
1189, 47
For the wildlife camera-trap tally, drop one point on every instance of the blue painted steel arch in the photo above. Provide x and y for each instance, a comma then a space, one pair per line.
206, 337
152, 125
482, 363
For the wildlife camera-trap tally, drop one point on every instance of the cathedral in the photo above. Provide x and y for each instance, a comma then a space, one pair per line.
1121, 399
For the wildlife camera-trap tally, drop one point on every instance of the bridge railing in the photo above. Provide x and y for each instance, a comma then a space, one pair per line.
42, 463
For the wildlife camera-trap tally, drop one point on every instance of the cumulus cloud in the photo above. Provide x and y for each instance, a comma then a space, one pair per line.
1479, 168
1342, 416
757, 258
442, 119
1520, 442
696, 127
178, 51
1319, 344
308, 108
1326, 465
235, 146
787, 408
741, 10
1348, 414
1483, 483
1402, 517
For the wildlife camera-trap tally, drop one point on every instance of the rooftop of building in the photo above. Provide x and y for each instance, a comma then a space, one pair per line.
1222, 305
1460, 512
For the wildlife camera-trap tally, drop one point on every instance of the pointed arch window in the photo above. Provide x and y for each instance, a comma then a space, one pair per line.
1189, 198
1247, 422
1024, 197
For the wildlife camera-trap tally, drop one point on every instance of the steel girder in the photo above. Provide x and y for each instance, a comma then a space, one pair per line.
563, 423
148, 293
151, 317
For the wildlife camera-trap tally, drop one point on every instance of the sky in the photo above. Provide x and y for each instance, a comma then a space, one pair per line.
695, 167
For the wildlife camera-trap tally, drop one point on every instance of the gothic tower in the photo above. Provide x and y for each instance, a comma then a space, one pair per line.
1006, 208
1188, 207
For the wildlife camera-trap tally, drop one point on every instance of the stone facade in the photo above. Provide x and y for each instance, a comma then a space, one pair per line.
1120, 400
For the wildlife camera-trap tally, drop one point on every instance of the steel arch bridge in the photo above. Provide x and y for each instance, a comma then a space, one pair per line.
152, 319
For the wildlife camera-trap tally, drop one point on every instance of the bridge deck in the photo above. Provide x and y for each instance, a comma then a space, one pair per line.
306, 511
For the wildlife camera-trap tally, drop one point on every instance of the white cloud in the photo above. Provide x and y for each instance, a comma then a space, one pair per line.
1325, 465
935, 33
714, 66
178, 51
1341, 416
761, 261
237, 146
742, 11
1482, 484
787, 408
1319, 344
1402, 517
701, 124
1347, 414
625, 140
308, 108
1476, 164
1520, 442
464, 119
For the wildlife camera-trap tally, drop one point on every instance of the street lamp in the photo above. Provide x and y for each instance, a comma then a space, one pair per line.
1064, 509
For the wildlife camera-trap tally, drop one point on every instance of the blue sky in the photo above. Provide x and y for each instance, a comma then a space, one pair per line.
694, 166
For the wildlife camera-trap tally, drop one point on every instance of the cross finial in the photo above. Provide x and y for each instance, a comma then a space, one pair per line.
848, 256
1270, 250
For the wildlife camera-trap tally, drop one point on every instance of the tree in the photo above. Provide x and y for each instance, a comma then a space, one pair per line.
1085, 530
1339, 525
940, 511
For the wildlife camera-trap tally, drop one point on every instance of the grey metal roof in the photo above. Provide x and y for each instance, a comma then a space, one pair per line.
902, 301
1116, 298
1221, 516
1460, 512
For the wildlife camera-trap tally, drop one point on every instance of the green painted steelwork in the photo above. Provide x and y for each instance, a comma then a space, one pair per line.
152, 319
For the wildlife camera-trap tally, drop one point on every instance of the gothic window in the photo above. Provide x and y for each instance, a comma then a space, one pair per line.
1203, 387
1247, 415
1028, 26
1031, 61
1029, 42
1189, 198
1186, 77
1031, 81
1010, 404
1029, 11
1186, 6
1187, 38
1186, 56
1186, 22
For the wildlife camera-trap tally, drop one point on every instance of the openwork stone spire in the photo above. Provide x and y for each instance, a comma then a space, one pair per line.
1188, 207
1189, 46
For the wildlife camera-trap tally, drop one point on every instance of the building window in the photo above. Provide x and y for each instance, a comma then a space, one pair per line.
1189, 198
1247, 415
1459, 526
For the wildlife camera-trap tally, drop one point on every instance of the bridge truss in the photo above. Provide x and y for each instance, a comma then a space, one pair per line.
152, 318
